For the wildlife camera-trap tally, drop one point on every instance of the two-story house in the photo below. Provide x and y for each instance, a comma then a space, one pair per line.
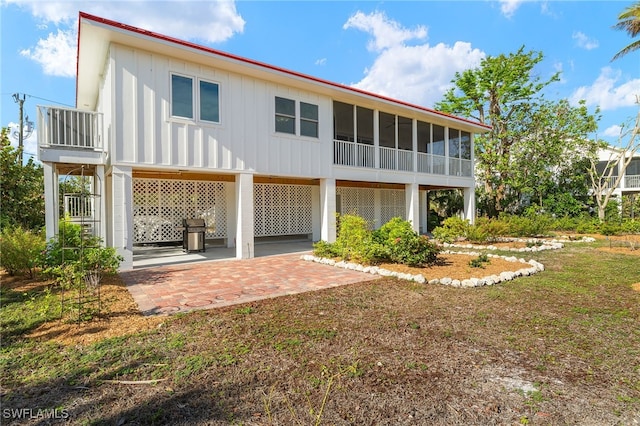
169, 130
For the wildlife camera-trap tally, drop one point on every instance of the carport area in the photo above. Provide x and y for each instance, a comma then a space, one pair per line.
180, 282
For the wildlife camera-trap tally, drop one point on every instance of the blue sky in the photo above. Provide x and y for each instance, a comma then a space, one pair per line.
408, 50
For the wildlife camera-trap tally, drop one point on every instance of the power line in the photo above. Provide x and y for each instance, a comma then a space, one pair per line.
43, 99
49, 100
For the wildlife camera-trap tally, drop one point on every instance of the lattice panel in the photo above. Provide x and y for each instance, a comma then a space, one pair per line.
282, 209
360, 201
159, 205
392, 205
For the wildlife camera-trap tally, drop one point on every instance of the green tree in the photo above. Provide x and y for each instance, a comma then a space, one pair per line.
629, 21
21, 189
531, 138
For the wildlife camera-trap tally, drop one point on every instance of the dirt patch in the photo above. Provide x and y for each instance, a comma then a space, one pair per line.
636, 287
119, 315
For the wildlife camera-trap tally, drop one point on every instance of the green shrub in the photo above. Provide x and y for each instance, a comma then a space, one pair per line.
452, 228
565, 223
609, 228
74, 259
589, 226
480, 261
631, 226
493, 228
20, 251
353, 237
532, 226
477, 234
324, 249
395, 241
404, 245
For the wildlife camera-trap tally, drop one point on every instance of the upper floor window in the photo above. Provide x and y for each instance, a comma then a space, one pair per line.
308, 120
181, 96
182, 99
209, 101
287, 113
437, 141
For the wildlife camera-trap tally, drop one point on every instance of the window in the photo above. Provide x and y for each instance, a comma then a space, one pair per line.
454, 143
285, 116
343, 124
181, 96
387, 129
364, 118
182, 99
209, 101
424, 137
438, 140
465, 145
405, 133
308, 120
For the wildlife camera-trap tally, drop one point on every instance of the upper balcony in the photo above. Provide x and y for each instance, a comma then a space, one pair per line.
347, 153
627, 183
70, 135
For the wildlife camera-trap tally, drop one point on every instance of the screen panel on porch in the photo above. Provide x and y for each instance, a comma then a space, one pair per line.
160, 205
282, 210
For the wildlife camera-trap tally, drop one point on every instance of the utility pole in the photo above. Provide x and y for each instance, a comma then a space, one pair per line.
20, 102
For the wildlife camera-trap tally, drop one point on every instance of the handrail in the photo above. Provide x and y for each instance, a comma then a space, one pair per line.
68, 127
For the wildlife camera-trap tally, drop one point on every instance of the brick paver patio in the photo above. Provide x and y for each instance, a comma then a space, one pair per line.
181, 288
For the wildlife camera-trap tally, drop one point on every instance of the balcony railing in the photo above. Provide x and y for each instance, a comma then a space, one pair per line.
632, 182
71, 128
347, 153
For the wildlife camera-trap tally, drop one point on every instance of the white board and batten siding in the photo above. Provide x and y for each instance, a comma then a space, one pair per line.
145, 134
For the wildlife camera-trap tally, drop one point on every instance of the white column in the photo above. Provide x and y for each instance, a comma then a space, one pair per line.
328, 210
423, 211
377, 208
99, 188
122, 203
51, 200
470, 204
412, 198
244, 216
230, 196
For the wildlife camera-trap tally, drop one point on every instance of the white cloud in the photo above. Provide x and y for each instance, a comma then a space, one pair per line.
608, 92
321, 61
584, 41
386, 32
56, 54
417, 74
208, 22
612, 131
509, 7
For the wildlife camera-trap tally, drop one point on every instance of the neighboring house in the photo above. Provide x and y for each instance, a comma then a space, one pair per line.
630, 182
168, 130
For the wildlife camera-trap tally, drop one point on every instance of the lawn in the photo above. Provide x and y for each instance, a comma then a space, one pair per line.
559, 347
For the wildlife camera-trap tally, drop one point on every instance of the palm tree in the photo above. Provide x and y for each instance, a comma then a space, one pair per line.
629, 21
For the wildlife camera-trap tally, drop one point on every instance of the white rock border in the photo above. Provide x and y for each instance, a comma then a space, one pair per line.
553, 244
533, 268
